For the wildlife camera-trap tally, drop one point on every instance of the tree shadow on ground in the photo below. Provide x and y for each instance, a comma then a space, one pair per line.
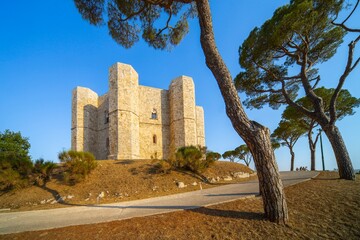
153, 169
124, 162
192, 174
229, 213
53, 192
57, 196
327, 179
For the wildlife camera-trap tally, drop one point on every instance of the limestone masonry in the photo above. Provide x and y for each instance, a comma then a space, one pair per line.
133, 121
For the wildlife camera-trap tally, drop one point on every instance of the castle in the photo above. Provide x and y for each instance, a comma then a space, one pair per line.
133, 121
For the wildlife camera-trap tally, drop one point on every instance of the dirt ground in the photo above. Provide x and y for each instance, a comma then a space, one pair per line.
322, 208
119, 181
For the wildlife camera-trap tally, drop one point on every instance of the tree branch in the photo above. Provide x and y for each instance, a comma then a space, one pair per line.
317, 81
349, 67
317, 101
292, 44
294, 104
166, 3
266, 70
304, 40
167, 23
318, 134
134, 13
290, 54
342, 24
269, 90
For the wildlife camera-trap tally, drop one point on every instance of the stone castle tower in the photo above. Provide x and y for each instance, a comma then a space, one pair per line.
133, 121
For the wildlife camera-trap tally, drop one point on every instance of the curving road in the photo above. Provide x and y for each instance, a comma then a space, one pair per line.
62, 217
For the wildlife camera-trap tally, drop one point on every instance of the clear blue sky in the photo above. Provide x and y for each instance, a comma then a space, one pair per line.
46, 50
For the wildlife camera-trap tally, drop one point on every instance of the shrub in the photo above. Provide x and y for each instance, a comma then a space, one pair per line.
15, 162
163, 166
9, 179
77, 165
193, 158
43, 170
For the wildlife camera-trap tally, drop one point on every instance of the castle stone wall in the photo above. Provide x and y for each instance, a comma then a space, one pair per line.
154, 132
200, 126
103, 141
84, 120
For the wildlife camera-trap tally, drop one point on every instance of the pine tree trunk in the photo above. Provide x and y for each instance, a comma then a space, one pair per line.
312, 157
270, 184
292, 159
312, 147
346, 170
255, 135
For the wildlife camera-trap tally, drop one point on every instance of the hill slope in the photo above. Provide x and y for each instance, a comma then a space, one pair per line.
116, 181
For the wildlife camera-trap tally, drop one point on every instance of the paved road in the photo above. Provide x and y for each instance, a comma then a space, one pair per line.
62, 217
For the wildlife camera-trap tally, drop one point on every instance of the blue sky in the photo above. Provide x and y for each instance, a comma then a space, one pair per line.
46, 50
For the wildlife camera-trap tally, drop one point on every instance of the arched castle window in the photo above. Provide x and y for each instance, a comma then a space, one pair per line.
154, 139
154, 114
106, 114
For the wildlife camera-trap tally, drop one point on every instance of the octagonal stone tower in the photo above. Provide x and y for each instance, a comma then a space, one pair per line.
124, 112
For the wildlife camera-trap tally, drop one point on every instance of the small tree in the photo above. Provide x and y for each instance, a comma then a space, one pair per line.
15, 161
244, 154
14, 149
194, 159
291, 114
231, 155
344, 107
77, 165
43, 170
214, 156
287, 134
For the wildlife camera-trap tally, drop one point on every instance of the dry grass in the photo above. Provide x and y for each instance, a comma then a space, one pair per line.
119, 180
323, 208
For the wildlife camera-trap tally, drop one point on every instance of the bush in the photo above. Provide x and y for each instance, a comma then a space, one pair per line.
193, 158
77, 165
163, 166
10, 179
43, 170
14, 172
15, 162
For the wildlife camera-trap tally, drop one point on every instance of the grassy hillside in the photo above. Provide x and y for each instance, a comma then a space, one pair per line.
119, 181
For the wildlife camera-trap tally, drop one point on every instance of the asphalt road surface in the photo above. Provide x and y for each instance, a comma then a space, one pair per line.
79, 215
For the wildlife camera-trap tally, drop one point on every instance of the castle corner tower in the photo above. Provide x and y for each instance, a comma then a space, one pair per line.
123, 112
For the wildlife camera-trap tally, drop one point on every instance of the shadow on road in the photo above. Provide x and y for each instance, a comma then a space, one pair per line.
229, 213
232, 194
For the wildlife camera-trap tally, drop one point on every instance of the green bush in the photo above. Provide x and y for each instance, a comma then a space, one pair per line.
15, 161
193, 158
162, 166
77, 165
43, 170
10, 179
